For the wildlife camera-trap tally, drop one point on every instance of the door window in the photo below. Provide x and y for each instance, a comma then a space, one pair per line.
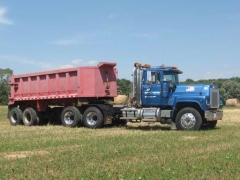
153, 77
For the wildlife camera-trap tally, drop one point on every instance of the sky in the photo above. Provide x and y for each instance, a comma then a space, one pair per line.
202, 37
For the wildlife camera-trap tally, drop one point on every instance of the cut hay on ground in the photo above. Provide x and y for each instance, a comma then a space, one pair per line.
121, 99
232, 102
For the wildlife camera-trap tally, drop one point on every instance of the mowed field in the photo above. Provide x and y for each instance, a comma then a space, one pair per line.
137, 151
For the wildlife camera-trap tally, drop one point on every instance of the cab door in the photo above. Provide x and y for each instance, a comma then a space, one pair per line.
151, 89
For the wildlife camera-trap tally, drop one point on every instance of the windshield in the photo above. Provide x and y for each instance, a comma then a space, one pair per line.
171, 77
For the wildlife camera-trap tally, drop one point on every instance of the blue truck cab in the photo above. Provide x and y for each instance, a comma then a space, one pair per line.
158, 96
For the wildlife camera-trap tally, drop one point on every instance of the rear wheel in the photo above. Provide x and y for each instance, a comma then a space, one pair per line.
93, 118
71, 117
30, 117
15, 116
188, 119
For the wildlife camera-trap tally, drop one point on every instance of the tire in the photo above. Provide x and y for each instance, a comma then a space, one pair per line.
15, 116
209, 124
93, 118
71, 117
30, 117
212, 124
188, 119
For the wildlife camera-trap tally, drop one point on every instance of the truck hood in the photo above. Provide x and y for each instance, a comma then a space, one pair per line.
193, 89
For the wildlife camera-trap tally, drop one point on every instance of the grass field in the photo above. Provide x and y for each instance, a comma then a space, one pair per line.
137, 151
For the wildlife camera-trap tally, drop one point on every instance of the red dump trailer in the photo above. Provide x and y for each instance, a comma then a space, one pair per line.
72, 97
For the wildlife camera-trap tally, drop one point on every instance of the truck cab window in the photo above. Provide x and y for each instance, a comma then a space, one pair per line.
153, 77
171, 77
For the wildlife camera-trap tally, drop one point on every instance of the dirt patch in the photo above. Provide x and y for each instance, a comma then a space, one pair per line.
190, 137
24, 154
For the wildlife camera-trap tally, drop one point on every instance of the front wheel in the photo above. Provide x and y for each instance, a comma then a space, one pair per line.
93, 118
212, 124
188, 119
209, 124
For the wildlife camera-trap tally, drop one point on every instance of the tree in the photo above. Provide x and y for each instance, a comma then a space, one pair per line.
230, 89
124, 86
189, 81
5, 75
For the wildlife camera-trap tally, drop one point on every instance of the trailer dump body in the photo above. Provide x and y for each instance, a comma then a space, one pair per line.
71, 97
81, 82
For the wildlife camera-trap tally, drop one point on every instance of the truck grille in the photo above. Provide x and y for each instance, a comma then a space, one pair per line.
214, 98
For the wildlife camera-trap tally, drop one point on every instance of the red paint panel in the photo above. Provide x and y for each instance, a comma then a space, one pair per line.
90, 81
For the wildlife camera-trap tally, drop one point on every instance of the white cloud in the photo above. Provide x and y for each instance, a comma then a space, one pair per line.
42, 64
76, 61
27, 64
3, 19
213, 75
76, 39
92, 62
66, 66
36, 65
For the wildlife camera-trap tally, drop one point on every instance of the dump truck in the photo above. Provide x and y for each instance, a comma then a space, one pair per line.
82, 96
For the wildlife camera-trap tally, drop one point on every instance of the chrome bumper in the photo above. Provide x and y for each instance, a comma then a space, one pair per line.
213, 115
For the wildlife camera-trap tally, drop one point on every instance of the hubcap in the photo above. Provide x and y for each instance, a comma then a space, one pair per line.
92, 118
188, 120
68, 118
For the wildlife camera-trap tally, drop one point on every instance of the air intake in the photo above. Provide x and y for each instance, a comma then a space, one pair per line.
214, 98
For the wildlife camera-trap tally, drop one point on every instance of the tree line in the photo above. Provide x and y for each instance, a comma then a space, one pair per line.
229, 88
5, 75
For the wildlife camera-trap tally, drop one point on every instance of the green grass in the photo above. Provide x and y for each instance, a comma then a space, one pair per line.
137, 151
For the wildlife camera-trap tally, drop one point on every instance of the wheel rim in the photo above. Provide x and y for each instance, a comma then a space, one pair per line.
188, 120
14, 117
92, 118
69, 118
